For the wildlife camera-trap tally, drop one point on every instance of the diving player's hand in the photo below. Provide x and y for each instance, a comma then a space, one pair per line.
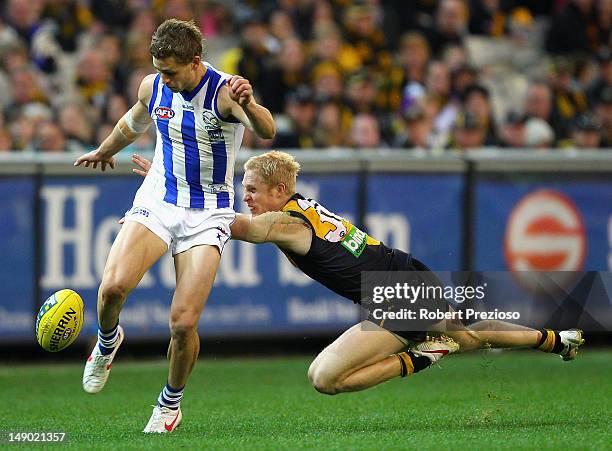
240, 90
95, 158
143, 163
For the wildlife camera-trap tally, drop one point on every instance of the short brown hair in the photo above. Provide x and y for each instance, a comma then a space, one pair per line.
179, 39
275, 167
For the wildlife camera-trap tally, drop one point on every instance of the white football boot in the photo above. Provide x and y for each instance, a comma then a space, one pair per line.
571, 340
163, 420
435, 348
98, 366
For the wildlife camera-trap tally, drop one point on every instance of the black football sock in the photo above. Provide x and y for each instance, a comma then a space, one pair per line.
550, 341
411, 363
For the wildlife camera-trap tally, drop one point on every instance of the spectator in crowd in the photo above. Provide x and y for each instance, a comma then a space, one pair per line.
603, 80
330, 127
93, 77
416, 129
280, 26
109, 47
116, 106
407, 77
361, 93
364, 34
487, 17
257, 50
114, 15
462, 77
450, 25
476, 100
512, 130
327, 82
28, 86
75, 125
6, 141
539, 104
328, 47
569, 98
575, 29
24, 16
301, 110
468, 132
50, 138
438, 88
283, 76
586, 132
103, 131
70, 19
603, 112
365, 132
22, 133
136, 52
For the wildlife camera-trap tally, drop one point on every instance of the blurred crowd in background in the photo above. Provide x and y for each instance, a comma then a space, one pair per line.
428, 74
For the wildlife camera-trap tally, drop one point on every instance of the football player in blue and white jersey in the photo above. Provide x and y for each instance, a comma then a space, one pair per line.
184, 205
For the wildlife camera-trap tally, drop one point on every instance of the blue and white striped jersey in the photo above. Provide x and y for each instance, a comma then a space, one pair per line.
196, 148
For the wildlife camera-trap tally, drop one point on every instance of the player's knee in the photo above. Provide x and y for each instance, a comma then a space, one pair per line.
183, 324
323, 381
113, 292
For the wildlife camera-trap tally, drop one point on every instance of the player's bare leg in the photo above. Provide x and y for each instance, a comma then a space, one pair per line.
195, 273
501, 334
134, 251
362, 357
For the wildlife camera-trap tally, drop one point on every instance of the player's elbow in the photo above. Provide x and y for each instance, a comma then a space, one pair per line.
269, 132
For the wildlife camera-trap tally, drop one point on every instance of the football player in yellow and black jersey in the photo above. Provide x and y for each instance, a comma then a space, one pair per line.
334, 252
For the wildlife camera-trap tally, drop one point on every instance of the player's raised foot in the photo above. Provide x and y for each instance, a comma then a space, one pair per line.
571, 339
98, 366
436, 348
163, 420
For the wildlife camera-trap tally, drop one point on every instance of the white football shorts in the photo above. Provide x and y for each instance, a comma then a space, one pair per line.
181, 228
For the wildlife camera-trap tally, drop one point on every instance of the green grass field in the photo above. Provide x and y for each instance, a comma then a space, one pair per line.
513, 400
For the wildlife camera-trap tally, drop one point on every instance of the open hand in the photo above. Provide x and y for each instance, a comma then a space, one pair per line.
95, 158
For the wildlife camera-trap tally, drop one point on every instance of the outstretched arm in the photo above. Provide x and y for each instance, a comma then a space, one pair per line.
129, 128
276, 227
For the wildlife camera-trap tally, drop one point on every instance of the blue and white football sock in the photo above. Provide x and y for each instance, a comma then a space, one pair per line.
107, 340
170, 397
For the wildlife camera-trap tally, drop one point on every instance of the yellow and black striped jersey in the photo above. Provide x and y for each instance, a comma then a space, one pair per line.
339, 251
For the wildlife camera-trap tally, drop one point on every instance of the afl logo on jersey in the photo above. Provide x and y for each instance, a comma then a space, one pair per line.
163, 112
545, 232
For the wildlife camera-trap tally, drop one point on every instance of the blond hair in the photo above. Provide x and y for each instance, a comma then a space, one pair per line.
275, 167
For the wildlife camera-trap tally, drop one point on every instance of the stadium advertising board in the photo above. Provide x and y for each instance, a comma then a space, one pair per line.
543, 224
17, 229
421, 213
